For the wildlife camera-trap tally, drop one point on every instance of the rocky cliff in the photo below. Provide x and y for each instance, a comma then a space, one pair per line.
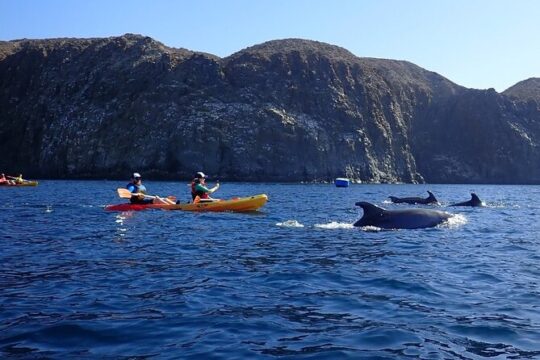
525, 90
286, 110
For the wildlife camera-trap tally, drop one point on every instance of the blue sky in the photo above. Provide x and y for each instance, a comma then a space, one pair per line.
475, 43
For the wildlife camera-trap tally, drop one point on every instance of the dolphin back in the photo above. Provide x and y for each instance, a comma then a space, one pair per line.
394, 199
475, 201
399, 219
415, 200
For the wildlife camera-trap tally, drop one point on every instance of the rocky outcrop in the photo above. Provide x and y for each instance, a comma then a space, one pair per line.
479, 136
286, 110
525, 90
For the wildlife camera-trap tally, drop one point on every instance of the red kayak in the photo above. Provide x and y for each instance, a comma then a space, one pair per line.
128, 207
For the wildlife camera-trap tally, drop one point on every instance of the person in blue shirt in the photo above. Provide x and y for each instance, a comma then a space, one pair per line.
139, 190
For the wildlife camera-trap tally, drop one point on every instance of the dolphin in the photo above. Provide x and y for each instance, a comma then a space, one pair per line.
475, 201
400, 219
415, 200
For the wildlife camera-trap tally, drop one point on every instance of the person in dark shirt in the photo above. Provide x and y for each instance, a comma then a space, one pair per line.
139, 190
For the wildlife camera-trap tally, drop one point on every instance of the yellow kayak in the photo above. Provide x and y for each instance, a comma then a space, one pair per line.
25, 183
240, 204
250, 203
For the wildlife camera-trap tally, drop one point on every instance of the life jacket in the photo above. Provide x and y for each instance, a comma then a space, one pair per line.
195, 193
138, 188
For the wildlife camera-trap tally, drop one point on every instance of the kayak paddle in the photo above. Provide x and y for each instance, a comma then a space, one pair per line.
126, 194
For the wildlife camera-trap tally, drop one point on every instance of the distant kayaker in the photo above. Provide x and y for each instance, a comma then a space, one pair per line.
19, 179
5, 181
139, 190
199, 191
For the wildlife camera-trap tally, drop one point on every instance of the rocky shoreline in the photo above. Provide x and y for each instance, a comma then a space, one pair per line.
286, 111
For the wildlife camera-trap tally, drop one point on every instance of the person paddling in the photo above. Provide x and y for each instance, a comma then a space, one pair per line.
199, 190
17, 180
3, 180
139, 190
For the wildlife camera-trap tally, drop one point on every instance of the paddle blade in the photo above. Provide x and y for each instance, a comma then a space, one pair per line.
124, 193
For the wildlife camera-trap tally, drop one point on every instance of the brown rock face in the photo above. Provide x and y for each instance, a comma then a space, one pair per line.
287, 110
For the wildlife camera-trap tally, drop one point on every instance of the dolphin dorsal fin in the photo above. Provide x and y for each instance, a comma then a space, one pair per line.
475, 199
370, 209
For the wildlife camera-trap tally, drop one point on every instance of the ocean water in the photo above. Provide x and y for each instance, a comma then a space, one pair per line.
294, 280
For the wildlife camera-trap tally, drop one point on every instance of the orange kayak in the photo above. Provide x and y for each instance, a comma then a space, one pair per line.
242, 204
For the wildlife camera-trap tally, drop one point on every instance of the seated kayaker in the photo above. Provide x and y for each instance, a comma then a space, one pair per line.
5, 181
19, 179
139, 190
199, 191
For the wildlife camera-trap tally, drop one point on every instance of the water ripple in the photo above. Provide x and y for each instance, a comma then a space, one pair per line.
291, 282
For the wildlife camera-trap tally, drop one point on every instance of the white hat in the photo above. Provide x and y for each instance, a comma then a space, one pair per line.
200, 174
136, 175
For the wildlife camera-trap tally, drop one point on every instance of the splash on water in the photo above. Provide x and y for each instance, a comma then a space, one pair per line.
335, 225
290, 224
500, 205
370, 228
455, 221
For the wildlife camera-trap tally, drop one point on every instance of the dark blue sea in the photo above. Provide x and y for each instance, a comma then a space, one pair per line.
292, 281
